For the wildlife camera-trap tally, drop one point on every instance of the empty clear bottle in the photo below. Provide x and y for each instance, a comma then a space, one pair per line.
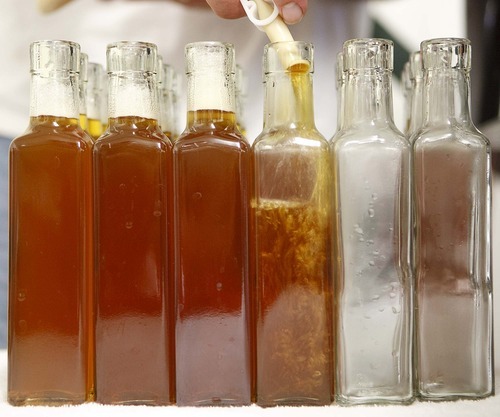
211, 196
371, 162
452, 181
133, 218
292, 212
50, 283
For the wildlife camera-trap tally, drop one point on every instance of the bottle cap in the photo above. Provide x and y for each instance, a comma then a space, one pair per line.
368, 54
55, 55
451, 53
129, 56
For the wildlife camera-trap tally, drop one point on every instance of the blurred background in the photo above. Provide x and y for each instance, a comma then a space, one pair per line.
173, 24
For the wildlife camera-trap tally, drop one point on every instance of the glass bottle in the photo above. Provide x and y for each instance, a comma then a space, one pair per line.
82, 91
240, 94
211, 194
167, 100
50, 355
406, 85
452, 181
340, 87
416, 103
371, 162
292, 212
134, 334
94, 99
104, 100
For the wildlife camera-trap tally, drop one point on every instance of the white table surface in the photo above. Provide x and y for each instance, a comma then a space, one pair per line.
489, 407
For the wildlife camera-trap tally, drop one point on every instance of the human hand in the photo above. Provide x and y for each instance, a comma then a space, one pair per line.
292, 11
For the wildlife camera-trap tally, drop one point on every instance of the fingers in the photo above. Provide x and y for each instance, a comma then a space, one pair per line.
292, 11
227, 9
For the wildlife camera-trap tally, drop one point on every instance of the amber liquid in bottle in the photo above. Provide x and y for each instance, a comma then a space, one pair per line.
94, 128
134, 346
50, 337
211, 174
294, 330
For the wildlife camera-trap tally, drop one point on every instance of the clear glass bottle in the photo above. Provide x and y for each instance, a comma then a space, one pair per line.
292, 233
94, 99
371, 165
211, 195
340, 87
452, 181
134, 289
406, 85
167, 120
416, 75
104, 100
50, 285
240, 94
82, 91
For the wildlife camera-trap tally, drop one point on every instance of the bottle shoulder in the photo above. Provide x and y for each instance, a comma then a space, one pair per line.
449, 135
53, 132
384, 138
134, 135
290, 139
211, 138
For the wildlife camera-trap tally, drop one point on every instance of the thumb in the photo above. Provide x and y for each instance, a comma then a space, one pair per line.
292, 11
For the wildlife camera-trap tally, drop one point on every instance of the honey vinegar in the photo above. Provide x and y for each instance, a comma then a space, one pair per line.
211, 188
134, 342
50, 354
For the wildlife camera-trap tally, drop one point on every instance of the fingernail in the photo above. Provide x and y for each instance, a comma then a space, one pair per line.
291, 13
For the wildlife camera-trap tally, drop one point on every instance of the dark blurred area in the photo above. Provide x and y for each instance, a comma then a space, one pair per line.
483, 29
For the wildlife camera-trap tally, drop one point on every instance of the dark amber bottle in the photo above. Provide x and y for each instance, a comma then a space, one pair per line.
133, 198
211, 186
50, 287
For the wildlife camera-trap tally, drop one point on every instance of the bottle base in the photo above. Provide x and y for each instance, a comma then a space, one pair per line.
53, 399
214, 402
348, 401
440, 397
292, 402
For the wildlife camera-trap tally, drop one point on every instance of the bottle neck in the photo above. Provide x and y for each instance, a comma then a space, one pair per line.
288, 100
133, 94
211, 99
166, 111
340, 105
54, 94
368, 99
446, 97
416, 106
